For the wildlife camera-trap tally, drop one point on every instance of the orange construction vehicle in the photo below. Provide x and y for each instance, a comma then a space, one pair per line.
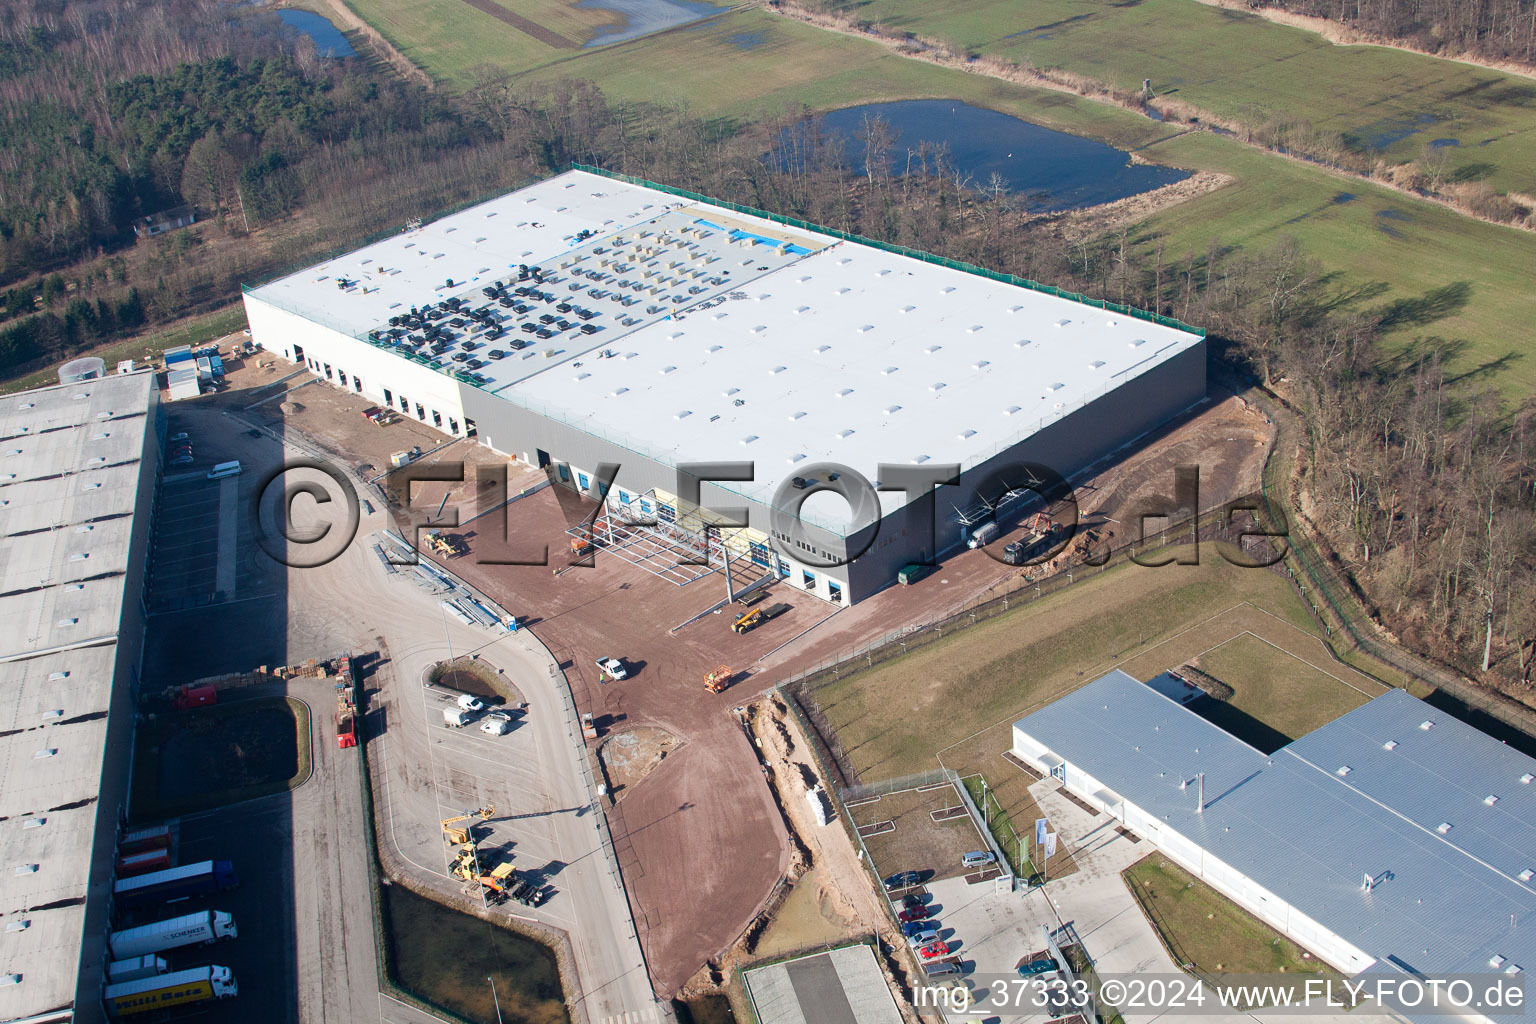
718, 680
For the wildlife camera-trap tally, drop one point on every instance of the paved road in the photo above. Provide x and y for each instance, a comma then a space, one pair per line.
535, 777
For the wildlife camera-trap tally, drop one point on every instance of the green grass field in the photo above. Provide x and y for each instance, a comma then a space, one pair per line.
1287, 695
1380, 100
1461, 280
892, 719
1204, 929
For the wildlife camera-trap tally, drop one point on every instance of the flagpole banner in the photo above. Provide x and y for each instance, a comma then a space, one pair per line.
1050, 844
1040, 824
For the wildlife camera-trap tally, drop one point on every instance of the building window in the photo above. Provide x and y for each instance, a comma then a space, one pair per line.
328, 372
453, 425
405, 404
581, 479
565, 472
807, 579
437, 419
357, 383
421, 413
835, 592
389, 399
783, 570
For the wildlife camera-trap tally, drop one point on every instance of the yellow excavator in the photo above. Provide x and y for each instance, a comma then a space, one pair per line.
458, 836
445, 544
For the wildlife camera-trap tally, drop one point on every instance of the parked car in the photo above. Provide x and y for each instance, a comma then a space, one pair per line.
469, 702
496, 724
902, 880
613, 668
1037, 967
913, 914
181, 460
927, 937
174, 438
934, 951
911, 928
912, 899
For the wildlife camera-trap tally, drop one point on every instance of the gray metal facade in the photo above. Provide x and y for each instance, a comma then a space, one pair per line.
1076, 441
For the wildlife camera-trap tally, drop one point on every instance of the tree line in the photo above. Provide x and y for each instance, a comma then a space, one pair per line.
1496, 29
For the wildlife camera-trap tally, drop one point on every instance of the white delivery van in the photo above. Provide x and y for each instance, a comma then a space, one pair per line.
224, 469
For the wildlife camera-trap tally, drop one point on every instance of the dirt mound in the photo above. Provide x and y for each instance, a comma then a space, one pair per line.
632, 754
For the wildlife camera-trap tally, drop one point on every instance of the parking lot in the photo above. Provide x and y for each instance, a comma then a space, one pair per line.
520, 829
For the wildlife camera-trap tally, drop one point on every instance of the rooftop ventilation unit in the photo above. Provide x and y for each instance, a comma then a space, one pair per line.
1426, 725
936, 386
749, 439
1011, 410
844, 392
796, 416
1527, 778
798, 483
892, 410
931, 349
887, 371
777, 370
1444, 828
682, 414
918, 460
843, 435
1491, 799
1389, 745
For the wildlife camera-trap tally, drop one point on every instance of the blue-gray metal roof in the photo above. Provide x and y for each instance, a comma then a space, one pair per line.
1451, 902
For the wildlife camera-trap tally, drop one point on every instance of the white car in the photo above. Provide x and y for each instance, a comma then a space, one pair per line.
496, 724
469, 702
613, 668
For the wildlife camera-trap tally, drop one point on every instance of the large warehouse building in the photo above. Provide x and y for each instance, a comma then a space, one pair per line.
589, 320
77, 486
1394, 839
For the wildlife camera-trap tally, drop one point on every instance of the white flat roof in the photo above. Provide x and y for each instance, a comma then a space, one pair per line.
746, 340
69, 475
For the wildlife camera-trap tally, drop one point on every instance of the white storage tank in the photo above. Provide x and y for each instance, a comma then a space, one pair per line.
85, 368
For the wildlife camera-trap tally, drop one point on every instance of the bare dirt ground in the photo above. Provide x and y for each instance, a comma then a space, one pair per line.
629, 755
699, 839
1227, 439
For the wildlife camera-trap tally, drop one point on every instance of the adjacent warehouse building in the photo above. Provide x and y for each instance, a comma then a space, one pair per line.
589, 320
1395, 839
78, 468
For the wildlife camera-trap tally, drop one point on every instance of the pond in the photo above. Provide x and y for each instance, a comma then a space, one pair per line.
328, 38
449, 959
642, 17
1052, 170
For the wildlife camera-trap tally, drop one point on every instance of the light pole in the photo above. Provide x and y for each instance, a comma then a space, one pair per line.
444, 613
495, 997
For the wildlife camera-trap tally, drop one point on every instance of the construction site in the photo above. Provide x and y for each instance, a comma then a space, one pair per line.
719, 856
